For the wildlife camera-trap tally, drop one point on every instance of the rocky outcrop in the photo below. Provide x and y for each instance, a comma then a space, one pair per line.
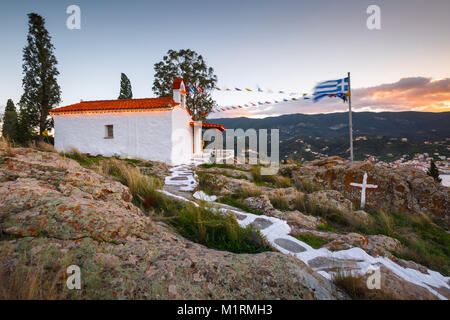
263, 205
399, 190
54, 213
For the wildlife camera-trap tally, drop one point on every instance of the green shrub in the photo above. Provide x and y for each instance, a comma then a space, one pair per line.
269, 180
219, 231
326, 227
314, 241
83, 159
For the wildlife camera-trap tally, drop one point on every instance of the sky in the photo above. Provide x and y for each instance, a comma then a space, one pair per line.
276, 45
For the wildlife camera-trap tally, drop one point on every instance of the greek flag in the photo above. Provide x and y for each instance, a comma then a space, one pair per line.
337, 88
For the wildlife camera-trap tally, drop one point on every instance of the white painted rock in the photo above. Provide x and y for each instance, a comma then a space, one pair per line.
203, 196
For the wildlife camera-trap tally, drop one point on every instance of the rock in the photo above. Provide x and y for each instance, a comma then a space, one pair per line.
223, 185
399, 190
328, 162
359, 217
375, 245
391, 285
261, 204
156, 168
290, 196
238, 174
412, 265
107, 260
289, 245
203, 196
397, 288
382, 245
299, 220
328, 264
58, 214
173, 289
330, 200
261, 223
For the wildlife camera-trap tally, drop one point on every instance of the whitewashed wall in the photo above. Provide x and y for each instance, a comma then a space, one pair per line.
146, 135
182, 136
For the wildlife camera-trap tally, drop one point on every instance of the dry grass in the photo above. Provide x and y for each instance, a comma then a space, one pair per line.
250, 191
282, 182
386, 221
7, 147
256, 174
300, 202
141, 186
279, 201
306, 186
355, 286
77, 155
30, 283
47, 147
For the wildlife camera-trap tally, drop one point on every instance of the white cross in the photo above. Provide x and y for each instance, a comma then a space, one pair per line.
363, 187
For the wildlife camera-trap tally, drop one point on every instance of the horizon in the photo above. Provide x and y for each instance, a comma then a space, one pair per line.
332, 112
261, 48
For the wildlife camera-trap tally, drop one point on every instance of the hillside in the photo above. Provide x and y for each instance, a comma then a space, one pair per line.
418, 126
55, 213
296, 235
327, 134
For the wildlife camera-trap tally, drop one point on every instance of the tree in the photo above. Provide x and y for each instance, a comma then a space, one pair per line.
125, 87
10, 124
190, 66
434, 172
41, 90
24, 128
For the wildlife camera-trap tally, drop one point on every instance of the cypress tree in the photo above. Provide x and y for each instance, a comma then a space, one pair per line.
24, 128
41, 90
434, 172
10, 123
125, 87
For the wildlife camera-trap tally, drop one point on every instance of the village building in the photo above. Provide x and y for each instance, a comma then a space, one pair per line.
159, 129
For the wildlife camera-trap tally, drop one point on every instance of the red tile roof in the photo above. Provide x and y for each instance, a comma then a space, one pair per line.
122, 104
177, 83
211, 126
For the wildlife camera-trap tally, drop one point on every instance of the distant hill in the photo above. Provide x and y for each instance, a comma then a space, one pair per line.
417, 126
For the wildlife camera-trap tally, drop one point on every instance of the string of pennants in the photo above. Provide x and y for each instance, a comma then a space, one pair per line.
249, 104
199, 89
331, 88
259, 103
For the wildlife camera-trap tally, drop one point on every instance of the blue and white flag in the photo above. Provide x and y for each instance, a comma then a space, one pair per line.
338, 88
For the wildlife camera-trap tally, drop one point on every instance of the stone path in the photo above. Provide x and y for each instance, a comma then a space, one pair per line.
182, 182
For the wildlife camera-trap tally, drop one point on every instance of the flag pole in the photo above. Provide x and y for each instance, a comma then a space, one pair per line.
350, 117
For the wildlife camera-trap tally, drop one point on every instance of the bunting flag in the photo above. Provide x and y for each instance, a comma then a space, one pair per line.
331, 88
258, 89
259, 103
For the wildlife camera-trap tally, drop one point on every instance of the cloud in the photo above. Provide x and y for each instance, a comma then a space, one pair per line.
413, 93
